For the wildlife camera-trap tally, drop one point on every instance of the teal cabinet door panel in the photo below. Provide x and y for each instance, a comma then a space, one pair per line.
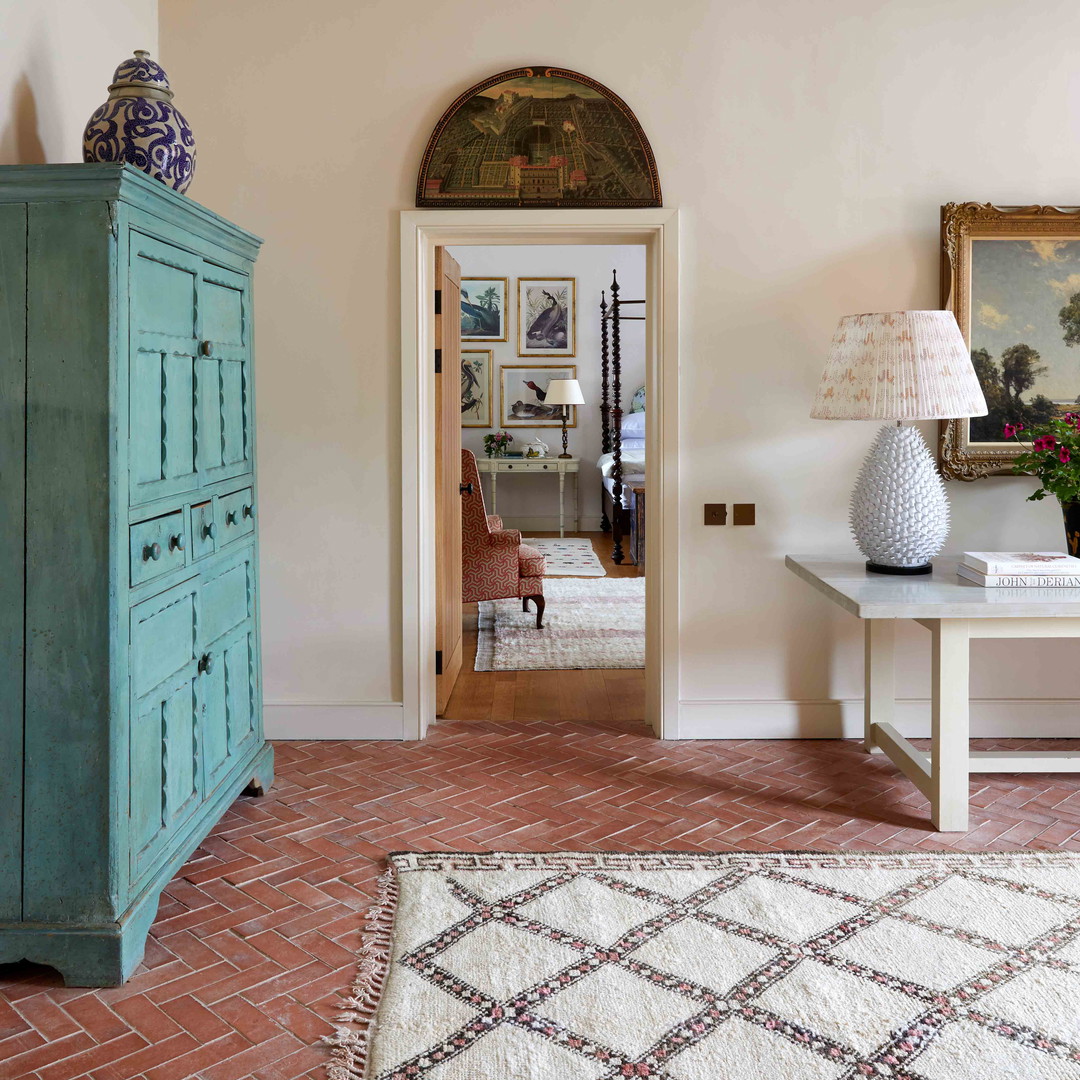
130, 700
163, 636
226, 598
227, 717
12, 494
164, 284
223, 307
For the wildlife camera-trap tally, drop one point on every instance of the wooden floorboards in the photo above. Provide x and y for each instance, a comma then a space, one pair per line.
540, 695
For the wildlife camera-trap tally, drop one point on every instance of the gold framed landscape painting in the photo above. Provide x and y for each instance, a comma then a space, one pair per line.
476, 365
547, 316
1011, 276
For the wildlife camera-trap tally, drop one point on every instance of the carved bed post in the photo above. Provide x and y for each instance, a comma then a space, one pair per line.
616, 424
605, 420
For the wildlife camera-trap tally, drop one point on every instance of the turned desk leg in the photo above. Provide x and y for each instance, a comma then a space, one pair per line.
879, 700
562, 487
949, 753
494, 492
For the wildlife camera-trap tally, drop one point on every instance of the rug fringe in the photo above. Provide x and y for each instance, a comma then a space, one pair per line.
355, 1023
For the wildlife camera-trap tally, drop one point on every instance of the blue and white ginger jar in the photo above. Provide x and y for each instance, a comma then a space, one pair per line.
140, 125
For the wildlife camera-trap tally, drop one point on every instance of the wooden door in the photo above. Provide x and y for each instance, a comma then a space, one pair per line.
447, 476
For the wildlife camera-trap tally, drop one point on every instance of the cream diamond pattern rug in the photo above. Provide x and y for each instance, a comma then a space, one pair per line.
755, 966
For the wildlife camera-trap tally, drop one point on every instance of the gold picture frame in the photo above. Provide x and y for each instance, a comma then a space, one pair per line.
519, 401
475, 298
1011, 290
546, 315
476, 384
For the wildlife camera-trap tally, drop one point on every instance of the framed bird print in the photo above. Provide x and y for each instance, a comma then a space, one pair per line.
547, 316
522, 390
476, 387
483, 308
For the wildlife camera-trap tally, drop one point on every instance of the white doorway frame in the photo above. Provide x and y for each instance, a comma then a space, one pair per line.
421, 232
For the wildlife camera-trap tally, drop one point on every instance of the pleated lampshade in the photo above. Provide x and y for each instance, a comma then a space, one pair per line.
898, 365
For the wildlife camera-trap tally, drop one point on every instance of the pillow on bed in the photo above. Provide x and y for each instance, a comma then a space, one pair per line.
632, 444
633, 426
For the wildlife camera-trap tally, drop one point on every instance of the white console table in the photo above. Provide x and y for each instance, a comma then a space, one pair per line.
550, 466
955, 611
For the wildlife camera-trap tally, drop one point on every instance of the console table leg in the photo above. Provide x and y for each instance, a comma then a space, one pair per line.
494, 501
949, 754
562, 486
879, 696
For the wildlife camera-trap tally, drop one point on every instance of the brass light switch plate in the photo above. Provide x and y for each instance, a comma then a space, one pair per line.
716, 513
743, 513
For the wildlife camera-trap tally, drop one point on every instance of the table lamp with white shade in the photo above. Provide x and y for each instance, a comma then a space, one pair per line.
564, 392
899, 365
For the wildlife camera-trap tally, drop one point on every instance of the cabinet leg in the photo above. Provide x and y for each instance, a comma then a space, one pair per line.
949, 761
879, 700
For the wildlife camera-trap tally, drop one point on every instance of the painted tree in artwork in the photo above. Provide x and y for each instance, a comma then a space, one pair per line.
1003, 385
1020, 368
489, 298
1069, 317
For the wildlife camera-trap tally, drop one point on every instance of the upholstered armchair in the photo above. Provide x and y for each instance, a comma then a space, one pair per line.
495, 564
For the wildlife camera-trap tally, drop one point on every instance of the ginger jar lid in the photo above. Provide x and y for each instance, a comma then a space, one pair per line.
138, 75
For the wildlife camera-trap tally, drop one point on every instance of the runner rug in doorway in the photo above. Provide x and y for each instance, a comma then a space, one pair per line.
571, 557
587, 624
680, 966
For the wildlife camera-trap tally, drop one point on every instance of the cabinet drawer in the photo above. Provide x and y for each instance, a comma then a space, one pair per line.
157, 546
235, 516
203, 529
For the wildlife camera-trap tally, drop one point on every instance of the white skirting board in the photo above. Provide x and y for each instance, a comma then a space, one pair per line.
334, 720
1047, 718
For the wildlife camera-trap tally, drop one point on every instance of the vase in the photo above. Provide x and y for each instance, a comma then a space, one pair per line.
140, 125
1070, 511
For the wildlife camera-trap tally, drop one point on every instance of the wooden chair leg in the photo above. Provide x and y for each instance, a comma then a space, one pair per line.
524, 603
540, 604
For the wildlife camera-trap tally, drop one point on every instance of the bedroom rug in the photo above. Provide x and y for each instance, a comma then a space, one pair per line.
680, 966
572, 557
587, 624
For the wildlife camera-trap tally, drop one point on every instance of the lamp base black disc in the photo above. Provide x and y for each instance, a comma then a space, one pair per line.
878, 568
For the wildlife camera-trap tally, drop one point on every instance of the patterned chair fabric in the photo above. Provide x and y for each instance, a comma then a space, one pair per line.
495, 564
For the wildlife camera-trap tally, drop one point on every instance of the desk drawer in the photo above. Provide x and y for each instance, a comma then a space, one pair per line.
157, 546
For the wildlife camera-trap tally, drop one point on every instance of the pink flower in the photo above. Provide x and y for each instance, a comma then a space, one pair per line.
1046, 442
1011, 430
1064, 455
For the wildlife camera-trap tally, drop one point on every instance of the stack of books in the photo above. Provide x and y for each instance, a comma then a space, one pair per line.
1021, 569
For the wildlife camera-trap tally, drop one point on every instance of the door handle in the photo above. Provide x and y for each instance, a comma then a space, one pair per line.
465, 489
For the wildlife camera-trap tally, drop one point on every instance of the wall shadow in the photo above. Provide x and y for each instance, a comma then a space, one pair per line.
20, 140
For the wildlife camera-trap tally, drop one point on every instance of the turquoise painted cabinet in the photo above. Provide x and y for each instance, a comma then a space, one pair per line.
130, 683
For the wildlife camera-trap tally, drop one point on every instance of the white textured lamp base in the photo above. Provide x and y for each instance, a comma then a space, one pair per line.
899, 509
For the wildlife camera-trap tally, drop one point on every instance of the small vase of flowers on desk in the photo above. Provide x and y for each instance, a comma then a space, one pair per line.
1053, 455
496, 444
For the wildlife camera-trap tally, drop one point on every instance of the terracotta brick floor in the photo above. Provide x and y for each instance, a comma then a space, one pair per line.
255, 937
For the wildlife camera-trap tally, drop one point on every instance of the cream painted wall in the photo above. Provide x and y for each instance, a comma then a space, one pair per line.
809, 147
56, 61
532, 502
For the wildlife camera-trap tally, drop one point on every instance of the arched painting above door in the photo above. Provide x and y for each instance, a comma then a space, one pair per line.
534, 137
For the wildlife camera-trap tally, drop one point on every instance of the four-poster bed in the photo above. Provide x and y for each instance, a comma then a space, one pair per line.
622, 463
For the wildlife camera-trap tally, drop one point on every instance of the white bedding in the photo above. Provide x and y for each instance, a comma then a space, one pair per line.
633, 464
628, 483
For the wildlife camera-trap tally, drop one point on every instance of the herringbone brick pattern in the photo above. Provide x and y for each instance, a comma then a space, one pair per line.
256, 936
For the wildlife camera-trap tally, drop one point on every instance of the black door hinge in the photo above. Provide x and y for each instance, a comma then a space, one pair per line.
438, 661
438, 361
438, 301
